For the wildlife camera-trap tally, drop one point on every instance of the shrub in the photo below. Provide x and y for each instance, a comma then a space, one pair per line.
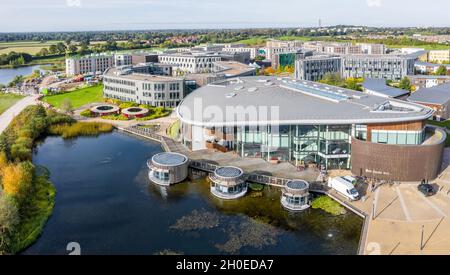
120, 117
86, 113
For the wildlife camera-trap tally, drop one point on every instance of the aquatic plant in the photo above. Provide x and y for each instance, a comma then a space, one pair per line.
80, 129
197, 219
256, 186
168, 252
249, 233
328, 205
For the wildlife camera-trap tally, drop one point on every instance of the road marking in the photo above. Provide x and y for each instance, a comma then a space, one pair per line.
432, 205
402, 202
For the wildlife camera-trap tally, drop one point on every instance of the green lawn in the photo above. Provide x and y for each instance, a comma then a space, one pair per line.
7, 100
78, 97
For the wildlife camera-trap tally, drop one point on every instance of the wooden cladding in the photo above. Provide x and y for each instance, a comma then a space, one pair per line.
401, 126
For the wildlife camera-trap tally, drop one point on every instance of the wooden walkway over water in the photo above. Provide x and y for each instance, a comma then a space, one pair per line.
169, 145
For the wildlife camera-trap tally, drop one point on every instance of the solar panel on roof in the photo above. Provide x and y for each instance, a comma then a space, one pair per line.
228, 172
169, 159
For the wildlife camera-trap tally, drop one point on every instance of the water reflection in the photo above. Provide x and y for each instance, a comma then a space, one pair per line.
112, 208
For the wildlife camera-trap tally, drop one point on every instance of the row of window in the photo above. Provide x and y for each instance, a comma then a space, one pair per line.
120, 90
398, 137
118, 81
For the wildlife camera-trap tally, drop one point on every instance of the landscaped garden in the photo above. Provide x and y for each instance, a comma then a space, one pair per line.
8, 100
153, 112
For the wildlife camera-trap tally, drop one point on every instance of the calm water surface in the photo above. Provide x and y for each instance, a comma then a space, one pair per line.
7, 75
106, 204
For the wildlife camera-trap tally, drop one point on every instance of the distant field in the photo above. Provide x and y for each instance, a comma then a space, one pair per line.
30, 47
7, 100
291, 38
78, 98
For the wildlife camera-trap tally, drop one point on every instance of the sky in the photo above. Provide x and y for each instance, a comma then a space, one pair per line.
91, 15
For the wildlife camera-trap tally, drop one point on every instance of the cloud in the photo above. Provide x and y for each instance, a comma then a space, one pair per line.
374, 3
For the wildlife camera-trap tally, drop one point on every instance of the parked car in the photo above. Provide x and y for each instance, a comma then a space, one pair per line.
426, 189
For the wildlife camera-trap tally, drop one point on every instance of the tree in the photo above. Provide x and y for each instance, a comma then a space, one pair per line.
9, 219
61, 48
442, 70
43, 52
72, 48
333, 79
66, 106
405, 84
17, 179
53, 49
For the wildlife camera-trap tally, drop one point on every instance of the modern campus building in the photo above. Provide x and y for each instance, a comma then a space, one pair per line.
429, 68
428, 81
241, 48
222, 70
387, 66
168, 168
437, 98
95, 64
345, 48
122, 59
305, 122
123, 84
439, 56
314, 67
190, 62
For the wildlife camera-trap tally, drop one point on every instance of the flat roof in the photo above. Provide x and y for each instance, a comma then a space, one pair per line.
169, 159
116, 72
292, 102
380, 86
435, 95
228, 172
234, 68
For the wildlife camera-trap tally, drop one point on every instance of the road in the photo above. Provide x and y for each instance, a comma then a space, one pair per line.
8, 115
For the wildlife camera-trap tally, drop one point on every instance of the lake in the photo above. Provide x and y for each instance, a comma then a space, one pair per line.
106, 203
7, 75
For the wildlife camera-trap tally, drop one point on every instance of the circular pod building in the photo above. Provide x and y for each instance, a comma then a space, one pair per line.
295, 196
105, 110
228, 183
168, 168
135, 112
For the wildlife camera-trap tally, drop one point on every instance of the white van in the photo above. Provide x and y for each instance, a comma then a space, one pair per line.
350, 179
344, 187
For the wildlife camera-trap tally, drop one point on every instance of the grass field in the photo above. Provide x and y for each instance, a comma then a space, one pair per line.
78, 97
426, 47
31, 47
7, 101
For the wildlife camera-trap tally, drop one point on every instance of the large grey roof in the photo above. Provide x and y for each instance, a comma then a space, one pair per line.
380, 86
224, 103
435, 95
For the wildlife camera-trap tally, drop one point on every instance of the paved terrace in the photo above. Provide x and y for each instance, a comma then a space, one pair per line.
400, 213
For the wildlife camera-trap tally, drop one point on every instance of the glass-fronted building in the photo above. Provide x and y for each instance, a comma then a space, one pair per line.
305, 123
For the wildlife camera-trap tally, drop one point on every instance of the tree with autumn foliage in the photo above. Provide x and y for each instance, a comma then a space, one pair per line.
17, 179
